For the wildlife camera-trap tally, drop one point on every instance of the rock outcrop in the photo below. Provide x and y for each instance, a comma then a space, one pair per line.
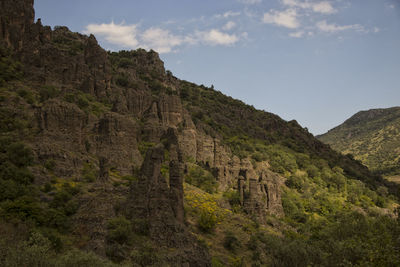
161, 206
141, 105
16, 18
261, 196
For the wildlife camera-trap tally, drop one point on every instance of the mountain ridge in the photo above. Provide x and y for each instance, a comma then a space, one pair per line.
371, 136
108, 158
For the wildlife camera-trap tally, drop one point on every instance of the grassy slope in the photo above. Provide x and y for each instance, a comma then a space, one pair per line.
371, 136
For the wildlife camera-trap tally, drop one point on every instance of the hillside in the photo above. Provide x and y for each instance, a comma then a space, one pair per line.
107, 159
371, 136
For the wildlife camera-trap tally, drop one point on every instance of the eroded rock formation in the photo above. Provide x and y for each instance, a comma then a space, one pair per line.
261, 196
133, 114
161, 206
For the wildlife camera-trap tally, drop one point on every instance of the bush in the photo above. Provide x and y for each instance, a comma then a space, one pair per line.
89, 174
233, 198
35, 252
50, 164
122, 80
20, 155
79, 258
48, 91
207, 221
27, 95
231, 243
125, 63
9, 69
119, 230
197, 176
23, 208
146, 256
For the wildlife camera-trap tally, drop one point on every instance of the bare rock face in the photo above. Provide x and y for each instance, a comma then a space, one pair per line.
262, 196
57, 116
116, 140
99, 81
60, 133
162, 207
271, 182
16, 18
104, 168
162, 114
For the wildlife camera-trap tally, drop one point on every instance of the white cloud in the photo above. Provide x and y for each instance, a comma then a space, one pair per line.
286, 18
160, 40
303, 16
323, 7
117, 34
216, 37
228, 14
229, 26
332, 28
250, 2
298, 34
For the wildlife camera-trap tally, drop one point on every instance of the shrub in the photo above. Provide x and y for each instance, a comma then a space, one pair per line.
145, 256
140, 226
197, 176
48, 91
23, 208
20, 155
27, 95
231, 242
50, 164
125, 63
79, 258
207, 221
122, 80
89, 174
119, 230
9, 69
233, 198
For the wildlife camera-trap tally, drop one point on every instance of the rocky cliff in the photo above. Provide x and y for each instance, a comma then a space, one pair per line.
104, 110
115, 135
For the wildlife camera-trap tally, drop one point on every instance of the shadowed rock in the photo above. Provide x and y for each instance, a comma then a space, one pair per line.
263, 196
162, 207
104, 168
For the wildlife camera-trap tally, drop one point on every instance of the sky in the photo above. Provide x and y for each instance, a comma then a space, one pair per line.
315, 61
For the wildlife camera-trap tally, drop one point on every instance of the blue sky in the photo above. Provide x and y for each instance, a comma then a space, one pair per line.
316, 61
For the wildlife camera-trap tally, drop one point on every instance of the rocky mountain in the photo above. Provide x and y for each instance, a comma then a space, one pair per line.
371, 136
108, 159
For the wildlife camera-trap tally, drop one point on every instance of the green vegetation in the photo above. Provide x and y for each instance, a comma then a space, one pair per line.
264, 136
38, 251
201, 178
9, 69
373, 137
322, 191
87, 103
348, 238
47, 92
65, 40
336, 212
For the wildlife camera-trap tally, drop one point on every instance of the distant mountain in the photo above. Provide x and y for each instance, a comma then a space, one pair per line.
371, 136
